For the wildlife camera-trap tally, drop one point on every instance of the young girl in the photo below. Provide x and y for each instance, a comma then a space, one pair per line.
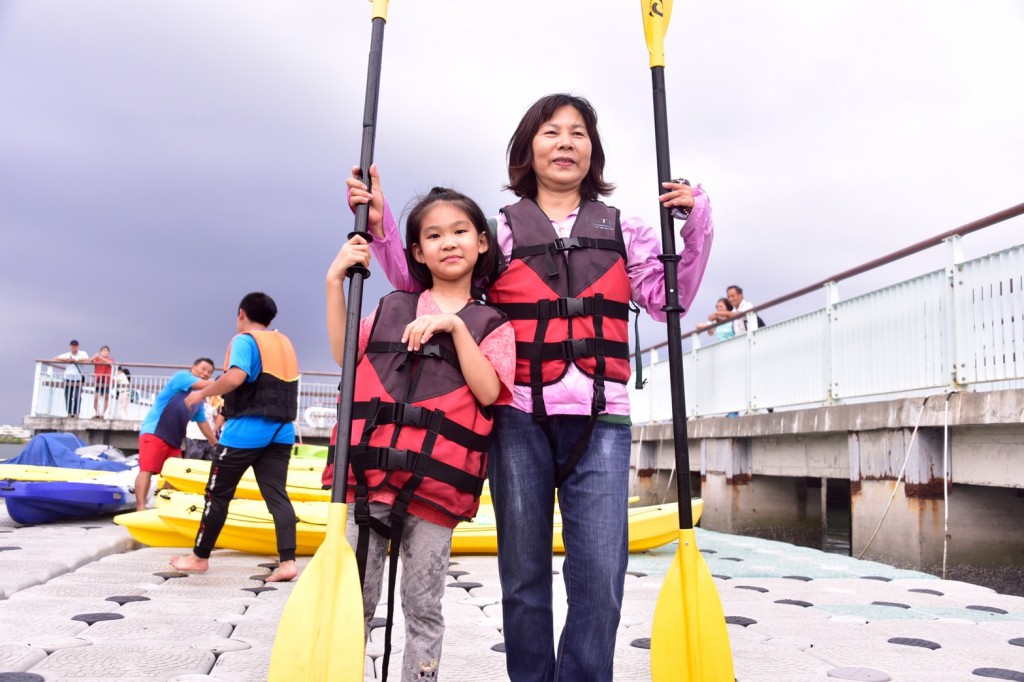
573, 265
429, 366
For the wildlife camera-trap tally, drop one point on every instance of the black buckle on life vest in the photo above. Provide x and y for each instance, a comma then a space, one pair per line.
576, 348
411, 415
430, 350
570, 307
391, 459
361, 512
567, 243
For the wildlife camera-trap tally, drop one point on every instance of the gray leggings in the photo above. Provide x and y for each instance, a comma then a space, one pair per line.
424, 556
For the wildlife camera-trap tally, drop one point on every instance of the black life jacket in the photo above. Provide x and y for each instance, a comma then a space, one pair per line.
275, 392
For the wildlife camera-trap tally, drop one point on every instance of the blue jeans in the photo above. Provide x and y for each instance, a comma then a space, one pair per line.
522, 465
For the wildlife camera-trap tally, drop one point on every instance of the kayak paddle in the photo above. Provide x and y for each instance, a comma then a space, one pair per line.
689, 638
321, 635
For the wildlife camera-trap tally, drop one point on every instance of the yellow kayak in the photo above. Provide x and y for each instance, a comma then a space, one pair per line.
307, 451
303, 484
31, 472
190, 475
250, 528
148, 528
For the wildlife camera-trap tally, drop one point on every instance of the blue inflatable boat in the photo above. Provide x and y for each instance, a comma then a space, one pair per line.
54, 497
32, 502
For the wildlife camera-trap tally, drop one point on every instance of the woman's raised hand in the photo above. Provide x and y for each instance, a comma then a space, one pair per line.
678, 195
358, 194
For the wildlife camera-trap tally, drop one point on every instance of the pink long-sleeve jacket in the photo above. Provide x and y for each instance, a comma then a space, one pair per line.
574, 392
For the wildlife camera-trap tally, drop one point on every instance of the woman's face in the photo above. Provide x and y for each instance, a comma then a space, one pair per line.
561, 151
720, 307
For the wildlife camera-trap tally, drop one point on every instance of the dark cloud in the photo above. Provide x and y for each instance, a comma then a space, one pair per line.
160, 159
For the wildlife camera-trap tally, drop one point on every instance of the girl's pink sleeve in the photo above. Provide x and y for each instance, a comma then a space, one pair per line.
389, 252
646, 273
499, 347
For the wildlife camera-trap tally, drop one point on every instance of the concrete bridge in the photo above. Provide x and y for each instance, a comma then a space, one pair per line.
906, 404
903, 465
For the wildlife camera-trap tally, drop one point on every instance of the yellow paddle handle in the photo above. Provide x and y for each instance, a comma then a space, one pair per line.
656, 15
380, 9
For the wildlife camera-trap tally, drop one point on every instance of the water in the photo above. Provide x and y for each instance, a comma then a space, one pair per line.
836, 540
8, 450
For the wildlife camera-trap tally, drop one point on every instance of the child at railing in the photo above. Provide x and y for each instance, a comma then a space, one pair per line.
123, 391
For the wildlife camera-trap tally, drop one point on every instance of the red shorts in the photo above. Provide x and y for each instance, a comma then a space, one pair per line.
153, 452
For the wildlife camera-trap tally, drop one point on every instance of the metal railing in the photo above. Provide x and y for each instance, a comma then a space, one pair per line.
132, 394
960, 328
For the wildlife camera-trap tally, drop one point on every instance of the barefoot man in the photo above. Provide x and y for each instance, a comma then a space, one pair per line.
163, 429
261, 400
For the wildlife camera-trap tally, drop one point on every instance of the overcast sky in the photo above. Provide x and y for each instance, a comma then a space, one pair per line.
160, 159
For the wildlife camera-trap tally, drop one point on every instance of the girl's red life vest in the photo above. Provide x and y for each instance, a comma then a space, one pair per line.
568, 298
275, 392
414, 420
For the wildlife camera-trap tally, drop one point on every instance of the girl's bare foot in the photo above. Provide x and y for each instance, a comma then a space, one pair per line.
190, 563
285, 571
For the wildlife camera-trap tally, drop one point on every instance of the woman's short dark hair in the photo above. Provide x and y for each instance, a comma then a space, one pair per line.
522, 179
487, 263
726, 303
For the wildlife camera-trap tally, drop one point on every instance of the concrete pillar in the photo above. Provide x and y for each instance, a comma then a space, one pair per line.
735, 500
653, 465
909, 530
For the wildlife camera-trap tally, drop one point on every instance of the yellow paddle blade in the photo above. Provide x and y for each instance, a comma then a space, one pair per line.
321, 636
689, 638
380, 9
656, 15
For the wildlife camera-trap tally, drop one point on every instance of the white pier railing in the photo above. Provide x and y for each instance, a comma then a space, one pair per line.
130, 398
961, 328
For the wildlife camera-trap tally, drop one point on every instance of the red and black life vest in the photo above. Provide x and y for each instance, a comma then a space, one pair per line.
417, 429
275, 392
568, 298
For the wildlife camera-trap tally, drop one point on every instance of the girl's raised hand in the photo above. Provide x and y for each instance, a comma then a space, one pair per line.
355, 251
358, 194
419, 331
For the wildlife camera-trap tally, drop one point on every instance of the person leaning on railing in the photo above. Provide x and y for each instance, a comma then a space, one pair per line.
73, 377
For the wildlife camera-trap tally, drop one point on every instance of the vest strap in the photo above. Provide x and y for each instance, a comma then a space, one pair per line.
428, 350
404, 414
563, 244
564, 308
393, 459
574, 348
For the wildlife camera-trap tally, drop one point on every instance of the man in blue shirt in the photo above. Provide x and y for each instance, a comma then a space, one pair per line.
163, 429
260, 389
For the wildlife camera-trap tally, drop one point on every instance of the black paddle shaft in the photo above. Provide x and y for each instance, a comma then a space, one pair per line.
339, 488
672, 309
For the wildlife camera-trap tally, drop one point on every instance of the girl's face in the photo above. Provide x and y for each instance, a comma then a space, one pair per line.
720, 307
561, 151
449, 245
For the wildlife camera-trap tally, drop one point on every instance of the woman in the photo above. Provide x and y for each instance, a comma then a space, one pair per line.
722, 331
572, 265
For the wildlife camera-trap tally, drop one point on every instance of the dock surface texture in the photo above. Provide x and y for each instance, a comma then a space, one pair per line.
81, 601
